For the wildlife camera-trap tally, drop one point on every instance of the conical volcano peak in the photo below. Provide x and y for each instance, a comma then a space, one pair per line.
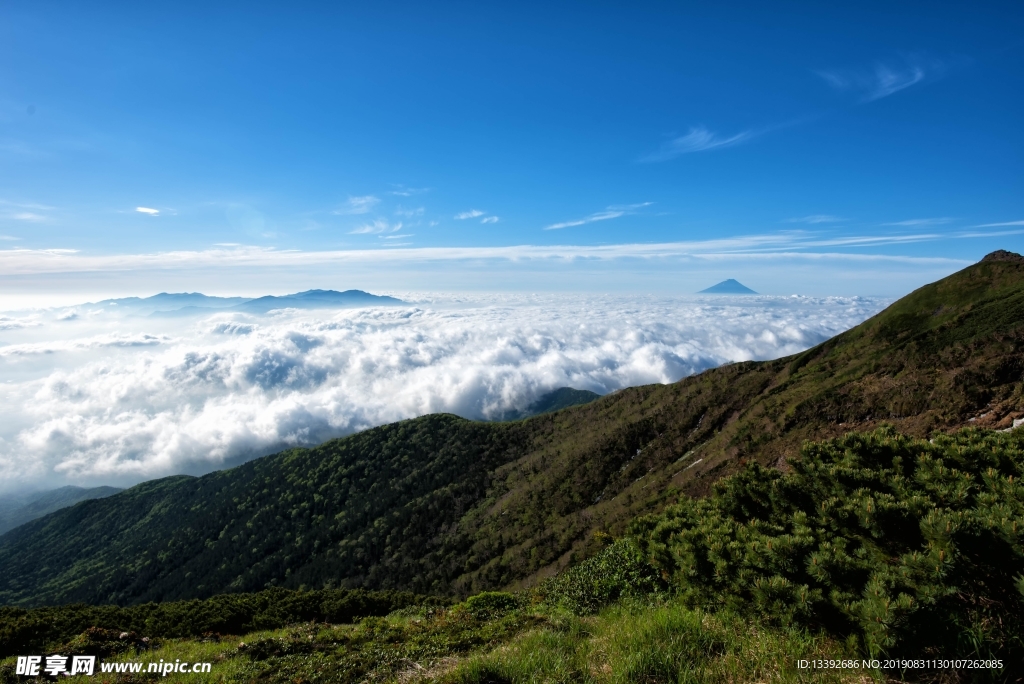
1003, 255
729, 286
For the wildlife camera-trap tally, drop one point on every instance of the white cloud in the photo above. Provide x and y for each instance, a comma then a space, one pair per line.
23, 211
884, 79
27, 216
614, 211
999, 225
87, 407
991, 233
9, 237
921, 222
359, 205
147, 210
598, 216
94, 342
489, 219
49, 261
402, 191
814, 219
409, 213
31, 206
698, 139
10, 323
378, 226
472, 213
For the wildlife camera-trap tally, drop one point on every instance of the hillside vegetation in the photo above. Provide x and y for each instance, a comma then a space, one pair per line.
443, 505
50, 628
17, 510
875, 545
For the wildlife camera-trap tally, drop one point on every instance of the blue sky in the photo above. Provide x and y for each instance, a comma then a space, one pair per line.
246, 149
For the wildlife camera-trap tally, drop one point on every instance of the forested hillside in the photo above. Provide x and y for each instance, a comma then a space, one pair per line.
372, 509
16, 510
875, 545
439, 504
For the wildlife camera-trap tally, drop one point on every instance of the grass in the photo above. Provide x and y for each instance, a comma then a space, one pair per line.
495, 641
633, 642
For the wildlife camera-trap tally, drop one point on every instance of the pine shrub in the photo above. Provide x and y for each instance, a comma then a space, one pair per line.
901, 545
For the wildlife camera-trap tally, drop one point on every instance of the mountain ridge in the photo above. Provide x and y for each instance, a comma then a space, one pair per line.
315, 299
444, 505
555, 400
20, 510
169, 304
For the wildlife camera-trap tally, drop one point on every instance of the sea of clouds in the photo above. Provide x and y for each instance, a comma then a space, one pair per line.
93, 396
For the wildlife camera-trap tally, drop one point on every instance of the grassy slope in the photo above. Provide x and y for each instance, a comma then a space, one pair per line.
440, 504
623, 643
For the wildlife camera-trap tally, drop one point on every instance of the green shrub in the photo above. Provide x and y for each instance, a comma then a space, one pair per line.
908, 546
618, 571
492, 604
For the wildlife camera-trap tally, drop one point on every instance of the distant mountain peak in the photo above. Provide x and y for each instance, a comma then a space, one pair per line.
1003, 255
194, 303
314, 299
729, 286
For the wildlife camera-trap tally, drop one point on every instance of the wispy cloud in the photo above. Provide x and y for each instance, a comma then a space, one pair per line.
793, 244
147, 210
402, 191
9, 237
489, 219
396, 237
27, 216
25, 205
698, 139
921, 222
409, 213
472, 213
884, 79
991, 233
869, 240
814, 219
23, 211
378, 226
598, 216
1000, 225
358, 205
614, 211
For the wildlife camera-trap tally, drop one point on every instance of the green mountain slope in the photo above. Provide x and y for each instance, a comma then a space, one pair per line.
556, 400
38, 504
372, 508
440, 504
